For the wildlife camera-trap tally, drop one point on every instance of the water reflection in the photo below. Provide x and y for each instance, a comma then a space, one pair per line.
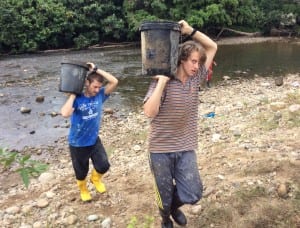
264, 59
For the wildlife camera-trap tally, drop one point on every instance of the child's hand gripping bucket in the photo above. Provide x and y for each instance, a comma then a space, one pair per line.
72, 77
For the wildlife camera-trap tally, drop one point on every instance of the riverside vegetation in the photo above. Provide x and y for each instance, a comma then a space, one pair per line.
249, 161
25, 166
36, 25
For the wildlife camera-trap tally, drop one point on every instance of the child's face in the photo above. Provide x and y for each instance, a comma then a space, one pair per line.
92, 88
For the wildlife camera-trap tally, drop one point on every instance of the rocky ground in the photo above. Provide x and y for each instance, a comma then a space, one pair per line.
249, 161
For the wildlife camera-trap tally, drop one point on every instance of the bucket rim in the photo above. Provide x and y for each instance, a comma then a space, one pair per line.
76, 63
168, 25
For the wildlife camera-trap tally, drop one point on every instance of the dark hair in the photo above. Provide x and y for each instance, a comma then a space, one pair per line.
94, 76
186, 48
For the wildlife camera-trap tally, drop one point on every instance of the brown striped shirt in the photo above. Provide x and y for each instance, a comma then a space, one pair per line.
175, 127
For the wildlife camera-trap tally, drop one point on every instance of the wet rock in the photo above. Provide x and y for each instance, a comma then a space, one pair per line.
25, 110
279, 81
40, 99
67, 125
53, 114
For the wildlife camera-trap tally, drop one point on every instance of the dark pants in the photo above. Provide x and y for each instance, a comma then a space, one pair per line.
80, 159
177, 179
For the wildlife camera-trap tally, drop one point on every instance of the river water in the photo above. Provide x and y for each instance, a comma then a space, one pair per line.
25, 77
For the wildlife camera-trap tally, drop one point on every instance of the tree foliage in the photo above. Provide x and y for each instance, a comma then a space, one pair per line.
31, 25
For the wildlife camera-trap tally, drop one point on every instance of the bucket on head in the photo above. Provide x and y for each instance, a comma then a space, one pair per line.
159, 47
72, 77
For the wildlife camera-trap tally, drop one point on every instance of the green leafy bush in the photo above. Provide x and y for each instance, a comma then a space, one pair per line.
25, 166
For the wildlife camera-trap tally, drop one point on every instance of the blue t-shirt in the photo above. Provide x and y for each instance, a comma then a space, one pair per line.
86, 118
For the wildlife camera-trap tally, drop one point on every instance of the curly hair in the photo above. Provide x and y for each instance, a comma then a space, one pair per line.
186, 48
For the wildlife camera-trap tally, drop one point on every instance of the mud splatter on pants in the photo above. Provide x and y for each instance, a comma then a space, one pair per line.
80, 159
177, 179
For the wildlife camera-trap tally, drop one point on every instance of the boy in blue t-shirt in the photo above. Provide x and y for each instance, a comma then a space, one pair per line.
85, 111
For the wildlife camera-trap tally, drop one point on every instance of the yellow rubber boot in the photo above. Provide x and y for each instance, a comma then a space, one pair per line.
96, 180
84, 192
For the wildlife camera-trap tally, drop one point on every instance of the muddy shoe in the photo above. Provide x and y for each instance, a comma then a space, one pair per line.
179, 217
167, 223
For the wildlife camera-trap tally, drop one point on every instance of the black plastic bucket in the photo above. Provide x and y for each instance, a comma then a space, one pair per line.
72, 77
159, 47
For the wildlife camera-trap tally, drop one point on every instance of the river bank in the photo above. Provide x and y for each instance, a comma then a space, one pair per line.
251, 40
248, 156
222, 41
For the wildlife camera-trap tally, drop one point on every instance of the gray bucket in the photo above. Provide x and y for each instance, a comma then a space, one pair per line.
72, 77
159, 47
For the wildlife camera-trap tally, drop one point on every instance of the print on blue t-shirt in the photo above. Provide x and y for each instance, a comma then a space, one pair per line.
86, 119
